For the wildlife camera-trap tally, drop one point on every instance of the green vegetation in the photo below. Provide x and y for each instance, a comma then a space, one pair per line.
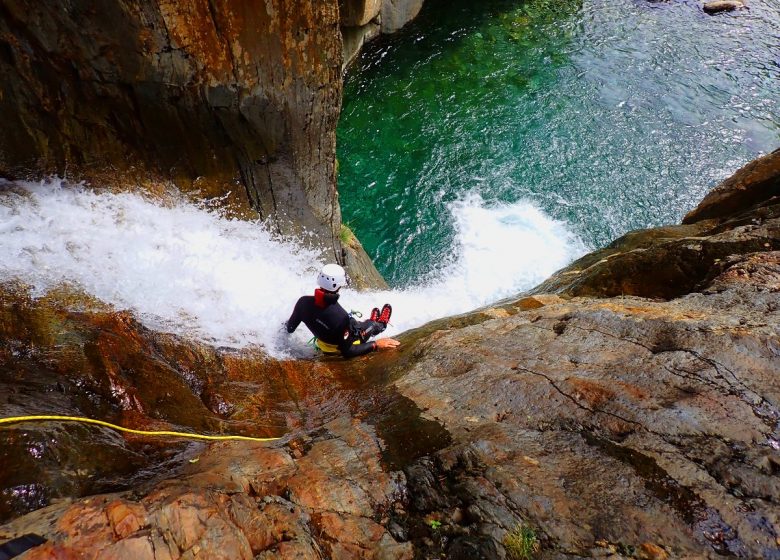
345, 235
435, 525
521, 544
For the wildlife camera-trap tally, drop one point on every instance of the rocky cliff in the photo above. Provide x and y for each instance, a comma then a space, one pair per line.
223, 99
364, 20
637, 421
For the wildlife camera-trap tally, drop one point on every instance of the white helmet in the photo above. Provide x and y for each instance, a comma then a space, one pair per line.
332, 277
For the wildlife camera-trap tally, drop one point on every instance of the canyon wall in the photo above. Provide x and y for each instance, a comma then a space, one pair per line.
231, 99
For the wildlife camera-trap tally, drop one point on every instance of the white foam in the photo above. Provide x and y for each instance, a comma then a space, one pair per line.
187, 270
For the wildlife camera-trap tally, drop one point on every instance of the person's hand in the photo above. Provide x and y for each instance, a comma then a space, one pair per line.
387, 343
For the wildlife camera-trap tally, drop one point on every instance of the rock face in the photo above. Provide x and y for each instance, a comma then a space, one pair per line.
619, 424
239, 501
633, 422
740, 216
364, 20
397, 13
228, 99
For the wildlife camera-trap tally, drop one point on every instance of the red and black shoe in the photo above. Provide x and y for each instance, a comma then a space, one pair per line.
374, 314
384, 316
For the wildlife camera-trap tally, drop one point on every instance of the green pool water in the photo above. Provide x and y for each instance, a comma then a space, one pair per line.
607, 115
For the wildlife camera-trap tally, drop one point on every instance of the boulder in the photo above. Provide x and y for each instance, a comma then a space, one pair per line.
357, 13
756, 182
397, 13
718, 6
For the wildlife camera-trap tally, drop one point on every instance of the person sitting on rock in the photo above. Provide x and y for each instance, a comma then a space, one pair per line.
335, 330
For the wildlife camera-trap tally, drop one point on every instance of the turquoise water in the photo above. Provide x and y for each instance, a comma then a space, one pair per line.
607, 115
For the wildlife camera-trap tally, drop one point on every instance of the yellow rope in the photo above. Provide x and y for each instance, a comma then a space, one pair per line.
17, 419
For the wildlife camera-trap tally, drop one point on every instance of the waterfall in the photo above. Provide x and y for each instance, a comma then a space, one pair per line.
185, 269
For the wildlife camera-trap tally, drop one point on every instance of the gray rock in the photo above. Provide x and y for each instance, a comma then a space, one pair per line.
397, 13
353, 40
357, 13
647, 426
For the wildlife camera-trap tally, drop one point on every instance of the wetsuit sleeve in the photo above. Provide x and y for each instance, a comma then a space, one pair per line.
353, 350
296, 317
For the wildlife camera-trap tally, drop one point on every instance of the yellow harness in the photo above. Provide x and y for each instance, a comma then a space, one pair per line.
326, 348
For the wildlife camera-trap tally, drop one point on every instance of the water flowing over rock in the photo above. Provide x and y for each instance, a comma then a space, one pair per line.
641, 424
231, 100
222, 98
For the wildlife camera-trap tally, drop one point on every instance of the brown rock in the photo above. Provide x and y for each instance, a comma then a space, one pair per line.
213, 98
200, 515
137, 548
290, 551
537, 300
718, 6
650, 551
359, 537
495, 312
356, 13
51, 551
271, 523
125, 519
327, 476
756, 182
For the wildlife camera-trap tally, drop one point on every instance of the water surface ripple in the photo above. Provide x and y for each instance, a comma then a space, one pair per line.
609, 116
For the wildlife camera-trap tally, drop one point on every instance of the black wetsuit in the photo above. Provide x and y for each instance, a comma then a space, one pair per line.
330, 323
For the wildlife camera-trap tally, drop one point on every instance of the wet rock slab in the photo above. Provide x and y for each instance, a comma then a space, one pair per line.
632, 413
618, 426
624, 422
317, 498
